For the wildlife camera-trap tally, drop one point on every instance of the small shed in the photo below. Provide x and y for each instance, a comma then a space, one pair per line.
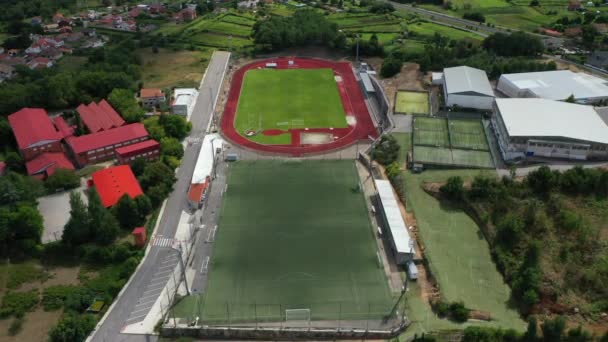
367, 82
437, 78
139, 234
412, 270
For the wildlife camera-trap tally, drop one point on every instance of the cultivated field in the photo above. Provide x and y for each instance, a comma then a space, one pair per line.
412, 102
292, 98
173, 68
294, 235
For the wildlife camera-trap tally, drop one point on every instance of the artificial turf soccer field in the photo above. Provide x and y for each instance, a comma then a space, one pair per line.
292, 235
288, 98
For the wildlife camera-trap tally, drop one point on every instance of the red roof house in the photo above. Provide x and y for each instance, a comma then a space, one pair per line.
47, 163
2, 168
112, 183
99, 116
100, 146
34, 132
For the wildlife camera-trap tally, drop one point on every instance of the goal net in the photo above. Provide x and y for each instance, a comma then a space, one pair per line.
297, 315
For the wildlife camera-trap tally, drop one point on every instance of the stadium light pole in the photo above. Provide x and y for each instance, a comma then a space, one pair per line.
357, 53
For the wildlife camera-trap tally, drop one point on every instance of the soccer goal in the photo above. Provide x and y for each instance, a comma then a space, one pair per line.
297, 315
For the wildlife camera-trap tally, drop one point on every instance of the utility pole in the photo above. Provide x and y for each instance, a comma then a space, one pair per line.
182, 266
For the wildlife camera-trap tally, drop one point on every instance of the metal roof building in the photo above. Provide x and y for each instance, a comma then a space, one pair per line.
467, 87
403, 245
114, 182
554, 85
202, 175
547, 128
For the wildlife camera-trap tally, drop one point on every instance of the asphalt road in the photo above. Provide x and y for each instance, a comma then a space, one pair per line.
131, 306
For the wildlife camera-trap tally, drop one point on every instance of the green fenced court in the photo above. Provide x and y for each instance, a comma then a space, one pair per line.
468, 134
292, 235
412, 102
431, 132
288, 98
453, 143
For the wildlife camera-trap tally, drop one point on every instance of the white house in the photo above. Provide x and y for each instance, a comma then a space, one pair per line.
467, 87
554, 85
532, 127
183, 101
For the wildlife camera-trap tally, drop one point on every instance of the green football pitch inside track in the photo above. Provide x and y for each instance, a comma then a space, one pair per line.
293, 235
288, 98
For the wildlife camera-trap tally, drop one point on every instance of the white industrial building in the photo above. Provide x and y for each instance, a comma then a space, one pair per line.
531, 127
402, 244
554, 85
203, 170
183, 101
467, 87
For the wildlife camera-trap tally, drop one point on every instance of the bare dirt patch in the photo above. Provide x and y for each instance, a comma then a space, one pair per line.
410, 78
316, 138
35, 326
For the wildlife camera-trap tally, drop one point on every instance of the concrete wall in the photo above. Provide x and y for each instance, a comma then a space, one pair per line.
470, 101
384, 121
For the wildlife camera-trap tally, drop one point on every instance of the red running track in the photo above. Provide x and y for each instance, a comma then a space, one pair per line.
360, 127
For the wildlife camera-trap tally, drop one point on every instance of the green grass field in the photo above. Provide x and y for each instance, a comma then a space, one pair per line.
458, 255
429, 29
412, 102
292, 98
293, 234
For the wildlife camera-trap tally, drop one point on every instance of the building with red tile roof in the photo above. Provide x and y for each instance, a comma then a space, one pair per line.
101, 146
99, 116
40, 63
63, 127
151, 96
114, 182
34, 132
46, 164
147, 149
2, 168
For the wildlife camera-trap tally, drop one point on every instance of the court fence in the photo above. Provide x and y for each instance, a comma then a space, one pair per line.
331, 320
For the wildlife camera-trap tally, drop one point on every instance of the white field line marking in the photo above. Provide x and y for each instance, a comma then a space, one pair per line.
205, 265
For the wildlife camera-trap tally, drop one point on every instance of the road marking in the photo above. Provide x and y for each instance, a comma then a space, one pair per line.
158, 288
147, 302
136, 317
158, 281
211, 235
163, 242
205, 265
172, 258
160, 268
152, 295
163, 272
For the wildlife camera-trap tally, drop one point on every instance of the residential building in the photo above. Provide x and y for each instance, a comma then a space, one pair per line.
101, 146
6, 72
114, 182
99, 116
40, 63
533, 127
47, 163
467, 87
63, 127
151, 97
183, 101
185, 15
555, 85
34, 132
147, 149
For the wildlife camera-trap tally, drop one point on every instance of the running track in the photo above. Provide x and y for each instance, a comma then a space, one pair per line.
352, 101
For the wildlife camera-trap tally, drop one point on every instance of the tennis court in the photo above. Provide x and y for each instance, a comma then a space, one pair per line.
431, 132
468, 134
294, 235
412, 102
453, 142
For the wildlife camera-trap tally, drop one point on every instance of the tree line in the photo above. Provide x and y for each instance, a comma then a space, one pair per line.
543, 215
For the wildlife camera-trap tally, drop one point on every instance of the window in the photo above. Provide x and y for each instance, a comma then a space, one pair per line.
93, 158
99, 149
90, 152
49, 145
109, 147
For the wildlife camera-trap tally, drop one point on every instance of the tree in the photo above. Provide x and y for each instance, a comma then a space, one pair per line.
553, 329
570, 99
514, 44
20, 229
386, 150
62, 179
390, 67
171, 147
175, 126
475, 16
14, 162
127, 213
543, 180
157, 173
453, 188
138, 166
72, 328
382, 8
77, 230
531, 331
125, 103
104, 226
144, 206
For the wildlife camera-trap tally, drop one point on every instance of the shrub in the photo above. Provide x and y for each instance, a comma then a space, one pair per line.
15, 326
54, 297
18, 303
386, 150
390, 67
453, 189
62, 179
459, 312
475, 16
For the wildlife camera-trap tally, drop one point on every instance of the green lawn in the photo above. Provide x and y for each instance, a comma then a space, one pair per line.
283, 99
293, 234
412, 102
458, 254
405, 141
429, 29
